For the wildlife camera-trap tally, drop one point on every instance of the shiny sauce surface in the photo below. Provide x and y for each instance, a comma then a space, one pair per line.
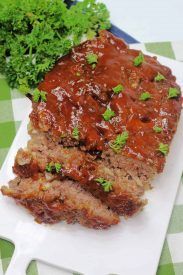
78, 95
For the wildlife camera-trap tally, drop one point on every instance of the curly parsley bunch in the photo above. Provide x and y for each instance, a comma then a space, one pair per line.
34, 34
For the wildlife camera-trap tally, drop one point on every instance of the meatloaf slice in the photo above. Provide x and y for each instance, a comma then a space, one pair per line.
53, 201
127, 185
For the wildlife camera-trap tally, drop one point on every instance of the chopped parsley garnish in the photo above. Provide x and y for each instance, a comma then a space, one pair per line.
145, 96
58, 167
108, 114
75, 133
92, 59
173, 92
53, 167
138, 60
163, 148
119, 142
39, 95
107, 185
119, 88
159, 77
49, 167
157, 129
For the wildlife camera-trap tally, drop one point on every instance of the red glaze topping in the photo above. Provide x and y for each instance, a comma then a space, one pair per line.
78, 95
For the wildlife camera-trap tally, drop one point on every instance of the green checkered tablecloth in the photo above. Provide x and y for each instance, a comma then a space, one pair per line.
13, 106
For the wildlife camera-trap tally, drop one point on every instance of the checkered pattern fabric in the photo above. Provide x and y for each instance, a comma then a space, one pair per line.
13, 106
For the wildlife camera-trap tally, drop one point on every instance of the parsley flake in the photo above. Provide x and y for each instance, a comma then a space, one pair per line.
157, 129
163, 148
39, 95
173, 92
53, 167
58, 167
49, 167
159, 77
138, 60
108, 114
119, 142
92, 59
75, 133
119, 88
145, 96
107, 185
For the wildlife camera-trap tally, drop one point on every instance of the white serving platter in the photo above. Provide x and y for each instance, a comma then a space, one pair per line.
132, 247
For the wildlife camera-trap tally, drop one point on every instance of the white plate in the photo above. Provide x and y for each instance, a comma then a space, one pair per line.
132, 247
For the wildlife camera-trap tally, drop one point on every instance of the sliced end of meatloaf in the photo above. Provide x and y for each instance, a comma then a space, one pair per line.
53, 201
127, 184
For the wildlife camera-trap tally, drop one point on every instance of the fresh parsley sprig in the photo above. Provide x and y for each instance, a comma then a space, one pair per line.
34, 34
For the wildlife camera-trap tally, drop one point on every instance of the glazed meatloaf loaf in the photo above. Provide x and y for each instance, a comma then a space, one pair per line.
100, 129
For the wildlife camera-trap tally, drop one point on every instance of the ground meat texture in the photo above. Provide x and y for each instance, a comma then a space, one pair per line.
127, 185
54, 201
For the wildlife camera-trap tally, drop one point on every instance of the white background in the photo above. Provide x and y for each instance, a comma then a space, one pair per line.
149, 20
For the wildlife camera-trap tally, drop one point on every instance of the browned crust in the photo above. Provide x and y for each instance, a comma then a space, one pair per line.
60, 203
56, 211
78, 166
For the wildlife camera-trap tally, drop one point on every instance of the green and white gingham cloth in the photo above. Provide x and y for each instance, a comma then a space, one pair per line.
12, 109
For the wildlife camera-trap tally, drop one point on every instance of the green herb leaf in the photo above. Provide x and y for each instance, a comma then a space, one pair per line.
157, 129
138, 60
119, 142
173, 92
53, 167
145, 96
49, 167
75, 133
34, 34
39, 95
119, 88
43, 96
107, 185
108, 114
163, 148
92, 59
159, 77
58, 167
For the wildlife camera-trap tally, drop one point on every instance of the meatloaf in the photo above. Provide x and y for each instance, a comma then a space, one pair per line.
100, 129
